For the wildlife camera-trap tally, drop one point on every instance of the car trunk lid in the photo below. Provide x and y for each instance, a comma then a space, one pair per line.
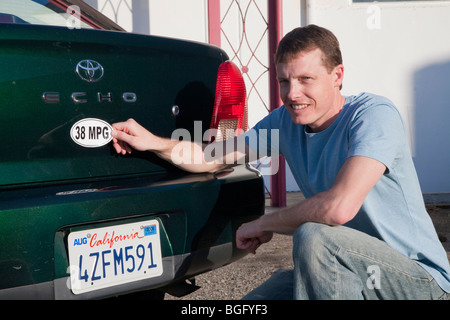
55, 77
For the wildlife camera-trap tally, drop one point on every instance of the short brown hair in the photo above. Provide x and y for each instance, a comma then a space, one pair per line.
309, 38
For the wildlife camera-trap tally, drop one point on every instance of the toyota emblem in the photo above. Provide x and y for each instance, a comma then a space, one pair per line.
90, 70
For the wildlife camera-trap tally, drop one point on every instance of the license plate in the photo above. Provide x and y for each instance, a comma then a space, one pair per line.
105, 257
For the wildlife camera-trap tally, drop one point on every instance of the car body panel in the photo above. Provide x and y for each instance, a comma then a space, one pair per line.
196, 214
41, 148
51, 186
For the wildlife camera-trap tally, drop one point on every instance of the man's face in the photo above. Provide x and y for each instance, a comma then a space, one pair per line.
309, 92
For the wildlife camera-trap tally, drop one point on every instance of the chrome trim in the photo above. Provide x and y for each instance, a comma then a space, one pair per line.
129, 97
90, 70
175, 110
76, 97
105, 97
51, 97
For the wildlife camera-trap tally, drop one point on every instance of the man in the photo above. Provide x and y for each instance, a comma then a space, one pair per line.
363, 231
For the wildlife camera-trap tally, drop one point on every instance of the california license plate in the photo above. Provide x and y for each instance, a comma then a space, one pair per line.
105, 257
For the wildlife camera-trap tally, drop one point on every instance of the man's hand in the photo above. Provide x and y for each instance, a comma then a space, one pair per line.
249, 237
130, 135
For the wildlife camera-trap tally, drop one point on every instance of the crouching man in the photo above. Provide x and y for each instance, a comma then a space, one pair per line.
362, 232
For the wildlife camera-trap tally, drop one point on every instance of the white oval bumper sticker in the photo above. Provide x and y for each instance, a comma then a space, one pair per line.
91, 133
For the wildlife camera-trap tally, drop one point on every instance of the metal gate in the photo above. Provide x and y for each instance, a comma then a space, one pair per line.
249, 30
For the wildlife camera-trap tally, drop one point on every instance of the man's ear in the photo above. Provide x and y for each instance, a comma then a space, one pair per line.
339, 75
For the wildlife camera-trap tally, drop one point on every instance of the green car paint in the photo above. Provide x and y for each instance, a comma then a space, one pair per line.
51, 186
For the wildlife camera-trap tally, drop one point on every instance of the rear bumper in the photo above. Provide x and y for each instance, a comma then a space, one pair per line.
175, 268
199, 216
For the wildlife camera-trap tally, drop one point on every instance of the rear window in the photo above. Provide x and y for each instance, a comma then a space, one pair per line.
41, 12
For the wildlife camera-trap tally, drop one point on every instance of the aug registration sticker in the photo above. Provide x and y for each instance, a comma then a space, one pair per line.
91, 133
105, 257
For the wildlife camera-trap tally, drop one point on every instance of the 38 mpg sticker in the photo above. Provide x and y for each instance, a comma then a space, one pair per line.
91, 133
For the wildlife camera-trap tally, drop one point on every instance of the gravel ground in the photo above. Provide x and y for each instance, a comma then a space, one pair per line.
234, 281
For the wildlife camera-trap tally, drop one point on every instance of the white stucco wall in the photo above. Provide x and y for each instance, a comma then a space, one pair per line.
400, 50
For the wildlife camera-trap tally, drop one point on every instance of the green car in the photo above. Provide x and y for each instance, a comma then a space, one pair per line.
78, 221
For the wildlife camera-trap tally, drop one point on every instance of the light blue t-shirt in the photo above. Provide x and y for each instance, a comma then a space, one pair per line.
394, 210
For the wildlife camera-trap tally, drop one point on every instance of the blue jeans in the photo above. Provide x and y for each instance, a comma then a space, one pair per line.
343, 263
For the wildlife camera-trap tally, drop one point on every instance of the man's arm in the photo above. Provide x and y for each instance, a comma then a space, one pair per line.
335, 206
187, 155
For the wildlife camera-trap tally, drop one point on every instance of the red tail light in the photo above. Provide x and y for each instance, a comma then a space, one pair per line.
230, 106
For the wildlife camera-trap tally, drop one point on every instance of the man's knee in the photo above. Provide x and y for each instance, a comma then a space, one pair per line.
309, 239
308, 234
